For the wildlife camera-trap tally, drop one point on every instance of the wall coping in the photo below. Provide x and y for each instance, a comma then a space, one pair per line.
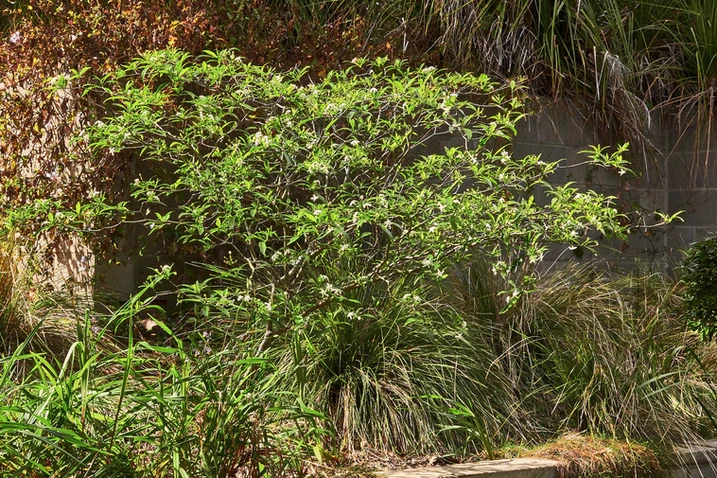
698, 455
517, 467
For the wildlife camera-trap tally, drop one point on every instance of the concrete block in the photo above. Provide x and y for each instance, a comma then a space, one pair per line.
702, 233
558, 123
692, 170
570, 169
648, 200
651, 171
679, 239
515, 468
686, 135
695, 461
699, 206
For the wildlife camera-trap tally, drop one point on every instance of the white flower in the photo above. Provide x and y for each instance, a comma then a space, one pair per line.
331, 289
317, 212
15, 37
261, 139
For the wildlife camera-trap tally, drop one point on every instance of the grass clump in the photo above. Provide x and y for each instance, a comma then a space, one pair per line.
449, 373
592, 363
584, 456
614, 357
599, 352
388, 370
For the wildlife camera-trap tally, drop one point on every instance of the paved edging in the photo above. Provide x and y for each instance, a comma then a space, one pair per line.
699, 460
695, 461
514, 468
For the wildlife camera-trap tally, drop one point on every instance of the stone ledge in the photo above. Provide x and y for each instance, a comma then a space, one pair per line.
702, 452
515, 468
694, 461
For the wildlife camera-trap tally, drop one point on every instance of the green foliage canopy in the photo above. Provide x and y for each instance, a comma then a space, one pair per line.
294, 193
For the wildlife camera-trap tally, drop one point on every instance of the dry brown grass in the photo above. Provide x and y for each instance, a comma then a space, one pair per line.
587, 456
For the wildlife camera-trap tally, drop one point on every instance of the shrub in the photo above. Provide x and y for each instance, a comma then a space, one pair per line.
266, 178
303, 206
699, 273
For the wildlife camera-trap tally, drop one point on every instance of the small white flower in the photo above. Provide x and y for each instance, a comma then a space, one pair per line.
317, 212
15, 37
260, 139
331, 289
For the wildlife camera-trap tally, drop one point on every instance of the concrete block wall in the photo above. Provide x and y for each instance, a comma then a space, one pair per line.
671, 178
